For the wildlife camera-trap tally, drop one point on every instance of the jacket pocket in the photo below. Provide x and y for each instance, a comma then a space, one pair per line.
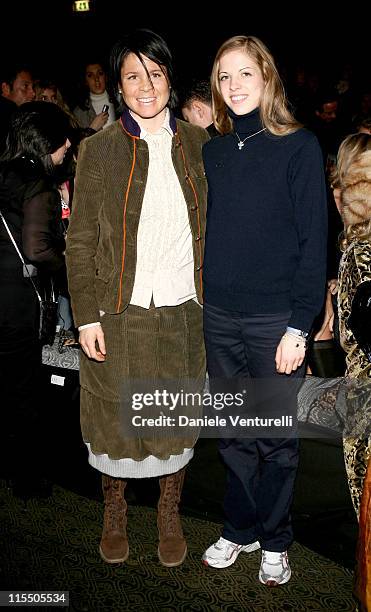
104, 270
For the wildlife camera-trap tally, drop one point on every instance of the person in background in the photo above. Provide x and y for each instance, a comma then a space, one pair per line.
264, 282
47, 91
329, 360
362, 111
97, 108
302, 88
352, 190
363, 124
37, 142
16, 88
330, 131
196, 106
134, 259
325, 123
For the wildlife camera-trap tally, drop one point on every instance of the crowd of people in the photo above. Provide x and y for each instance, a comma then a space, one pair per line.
190, 246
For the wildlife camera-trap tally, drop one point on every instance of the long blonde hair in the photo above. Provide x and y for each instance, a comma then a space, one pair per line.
353, 177
274, 112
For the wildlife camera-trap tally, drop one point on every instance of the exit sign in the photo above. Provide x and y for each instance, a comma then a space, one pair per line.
81, 6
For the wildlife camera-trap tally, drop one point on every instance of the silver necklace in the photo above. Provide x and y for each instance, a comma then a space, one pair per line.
241, 143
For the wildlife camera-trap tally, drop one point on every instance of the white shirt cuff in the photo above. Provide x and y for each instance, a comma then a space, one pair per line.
88, 325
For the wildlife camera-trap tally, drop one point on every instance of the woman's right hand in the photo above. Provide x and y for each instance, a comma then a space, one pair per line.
92, 342
99, 121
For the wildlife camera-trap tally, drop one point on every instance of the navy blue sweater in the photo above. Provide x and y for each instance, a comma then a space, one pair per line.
265, 247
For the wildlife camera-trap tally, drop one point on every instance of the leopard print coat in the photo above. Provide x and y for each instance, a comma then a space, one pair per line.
355, 268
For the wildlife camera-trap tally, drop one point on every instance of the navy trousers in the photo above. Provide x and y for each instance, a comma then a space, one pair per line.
260, 471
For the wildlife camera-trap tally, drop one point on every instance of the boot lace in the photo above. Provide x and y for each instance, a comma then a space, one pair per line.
115, 509
170, 520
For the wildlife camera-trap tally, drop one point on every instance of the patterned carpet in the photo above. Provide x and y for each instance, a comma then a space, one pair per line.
52, 545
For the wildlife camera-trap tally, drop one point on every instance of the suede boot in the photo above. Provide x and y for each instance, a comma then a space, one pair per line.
114, 546
172, 548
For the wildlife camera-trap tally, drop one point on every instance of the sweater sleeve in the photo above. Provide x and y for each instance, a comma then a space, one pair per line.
308, 192
82, 237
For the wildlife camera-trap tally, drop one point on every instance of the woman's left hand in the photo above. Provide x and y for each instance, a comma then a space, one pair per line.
290, 354
327, 328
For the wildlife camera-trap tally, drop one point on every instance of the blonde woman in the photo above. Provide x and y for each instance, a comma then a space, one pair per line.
352, 191
264, 281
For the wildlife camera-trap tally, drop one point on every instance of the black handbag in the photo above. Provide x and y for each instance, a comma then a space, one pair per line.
48, 305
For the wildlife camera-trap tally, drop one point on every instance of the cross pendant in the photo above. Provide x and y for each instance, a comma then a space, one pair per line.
240, 145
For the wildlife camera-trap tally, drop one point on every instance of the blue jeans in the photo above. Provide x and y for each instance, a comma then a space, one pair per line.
64, 313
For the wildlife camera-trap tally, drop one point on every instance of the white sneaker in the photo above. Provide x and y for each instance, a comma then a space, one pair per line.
224, 553
274, 568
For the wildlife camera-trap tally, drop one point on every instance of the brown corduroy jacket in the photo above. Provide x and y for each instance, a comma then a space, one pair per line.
110, 182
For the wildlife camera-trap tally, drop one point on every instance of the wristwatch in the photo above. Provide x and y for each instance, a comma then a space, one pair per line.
297, 332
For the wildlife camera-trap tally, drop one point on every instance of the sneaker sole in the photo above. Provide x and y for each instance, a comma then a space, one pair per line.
174, 563
273, 583
251, 548
118, 560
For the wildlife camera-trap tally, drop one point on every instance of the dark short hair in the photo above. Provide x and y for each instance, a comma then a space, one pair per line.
197, 90
142, 42
10, 72
36, 131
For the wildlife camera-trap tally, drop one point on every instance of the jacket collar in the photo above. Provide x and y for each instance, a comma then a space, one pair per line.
133, 129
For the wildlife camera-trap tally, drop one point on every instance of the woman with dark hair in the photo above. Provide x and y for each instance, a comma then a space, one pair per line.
264, 278
30, 204
97, 107
134, 259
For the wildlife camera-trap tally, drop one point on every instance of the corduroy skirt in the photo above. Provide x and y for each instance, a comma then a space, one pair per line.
164, 344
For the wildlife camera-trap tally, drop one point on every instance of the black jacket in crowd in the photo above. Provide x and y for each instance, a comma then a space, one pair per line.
31, 205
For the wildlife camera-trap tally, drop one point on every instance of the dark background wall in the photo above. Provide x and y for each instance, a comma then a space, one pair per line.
57, 40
